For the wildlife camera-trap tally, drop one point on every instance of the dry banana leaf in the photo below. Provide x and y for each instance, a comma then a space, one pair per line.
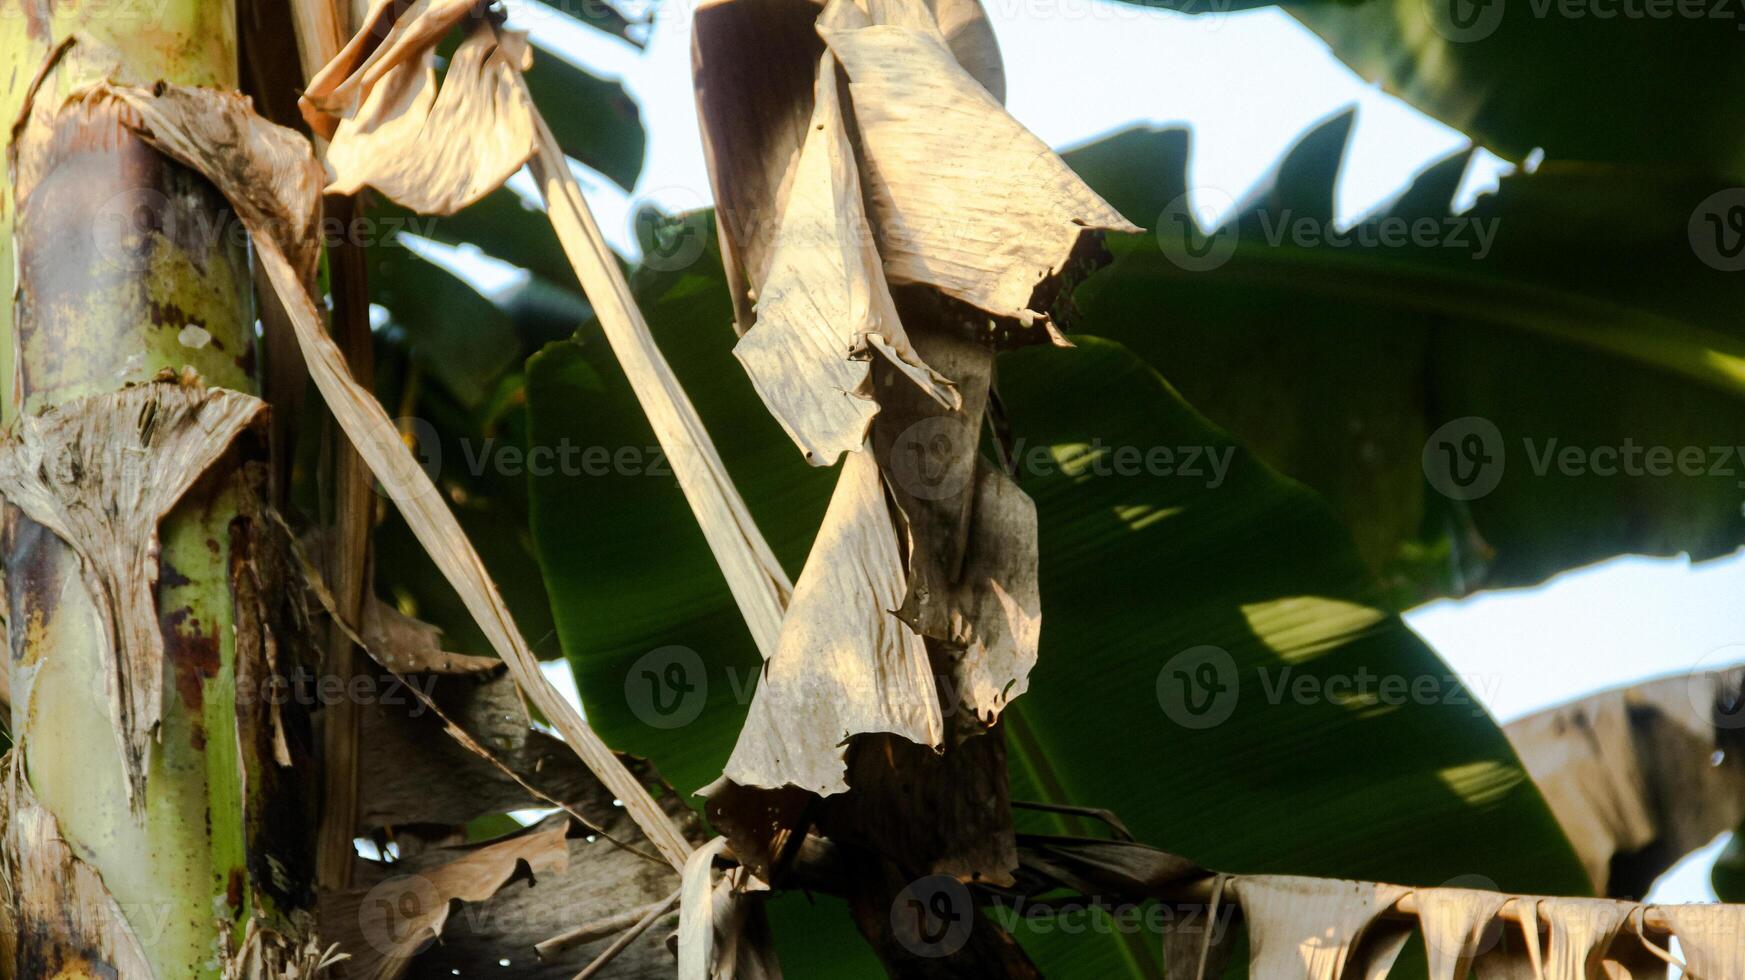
578, 907
1456, 923
438, 150
994, 611
1638, 777
391, 38
434, 150
824, 308
1308, 927
101, 472
844, 665
256, 150
1712, 938
385, 922
1579, 932
754, 64
964, 198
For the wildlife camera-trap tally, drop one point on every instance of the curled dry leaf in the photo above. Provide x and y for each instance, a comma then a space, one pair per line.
383, 926
434, 150
101, 472
1632, 773
844, 664
169, 126
391, 38
601, 882
965, 199
824, 307
60, 910
438, 150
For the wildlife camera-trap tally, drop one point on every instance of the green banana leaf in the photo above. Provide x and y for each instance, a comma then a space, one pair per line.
1143, 576
1589, 80
1356, 359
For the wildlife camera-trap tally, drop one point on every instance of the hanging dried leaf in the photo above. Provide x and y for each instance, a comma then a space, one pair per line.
1456, 922
964, 198
754, 64
167, 124
825, 308
435, 150
1712, 937
1308, 927
1197, 940
384, 925
844, 665
1580, 930
101, 472
928, 453
993, 612
1632, 774
1517, 957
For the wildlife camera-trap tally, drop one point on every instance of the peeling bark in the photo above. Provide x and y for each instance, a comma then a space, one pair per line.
101, 472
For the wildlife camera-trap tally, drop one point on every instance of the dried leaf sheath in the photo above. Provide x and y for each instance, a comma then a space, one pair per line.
844, 665
824, 307
101, 472
61, 905
175, 125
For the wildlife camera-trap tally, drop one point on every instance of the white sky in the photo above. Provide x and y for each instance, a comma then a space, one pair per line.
1248, 85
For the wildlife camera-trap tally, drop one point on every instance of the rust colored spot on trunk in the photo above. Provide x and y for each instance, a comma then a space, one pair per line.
193, 655
233, 890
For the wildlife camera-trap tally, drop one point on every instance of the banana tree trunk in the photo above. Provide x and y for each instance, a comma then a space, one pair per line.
153, 745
